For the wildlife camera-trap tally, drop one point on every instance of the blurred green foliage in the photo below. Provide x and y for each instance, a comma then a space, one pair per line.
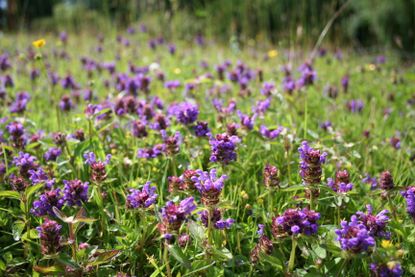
363, 23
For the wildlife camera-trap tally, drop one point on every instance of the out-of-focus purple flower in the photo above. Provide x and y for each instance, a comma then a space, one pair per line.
395, 142
345, 83
209, 186
143, 198
270, 133
75, 192
386, 181
172, 85
18, 183
25, 162
63, 36
50, 237
185, 112
139, 129
218, 104
370, 180
308, 75
326, 125
98, 171
171, 143
52, 154
381, 59
160, 122
354, 236
355, 106
310, 165
201, 129
4, 62
262, 106
150, 153
34, 74
223, 148
294, 222
267, 88
172, 48
409, 195
288, 84
216, 219
247, 121
183, 240
389, 269
271, 176
20, 103
66, 103
200, 40
189, 87
69, 83
48, 200
16, 132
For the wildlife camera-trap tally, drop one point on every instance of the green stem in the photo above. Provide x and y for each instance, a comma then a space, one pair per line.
166, 260
291, 262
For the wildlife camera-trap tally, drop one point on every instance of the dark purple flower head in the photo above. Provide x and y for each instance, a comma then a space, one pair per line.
52, 154
160, 122
409, 195
143, 198
310, 165
173, 215
386, 181
172, 48
395, 142
201, 129
98, 171
288, 84
389, 269
308, 75
223, 148
66, 103
216, 219
172, 85
270, 133
264, 246
262, 106
15, 129
18, 183
209, 186
370, 180
63, 36
355, 106
4, 62
20, 103
48, 200
25, 162
50, 237
34, 74
341, 184
375, 224
171, 143
69, 83
185, 113
326, 125
267, 88
271, 176
354, 236
139, 129
184, 240
294, 222
75, 192
345, 83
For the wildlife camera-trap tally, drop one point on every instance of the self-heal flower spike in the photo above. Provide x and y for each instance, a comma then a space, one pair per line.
389, 269
341, 184
409, 195
386, 181
173, 215
98, 173
216, 219
75, 192
25, 162
143, 198
294, 222
354, 236
46, 202
50, 237
270, 133
271, 176
185, 113
171, 144
52, 154
209, 186
264, 245
310, 165
223, 148
375, 224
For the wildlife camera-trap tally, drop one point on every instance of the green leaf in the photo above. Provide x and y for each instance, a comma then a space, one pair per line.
196, 231
32, 189
179, 256
293, 188
9, 194
275, 262
48, 269
104, 257
320, 252
222, 254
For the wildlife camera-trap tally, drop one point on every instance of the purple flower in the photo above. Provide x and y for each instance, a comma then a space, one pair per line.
386, 181
409, 195
270, 133
52, 154
395, 142
262, 106
172, 48
75, 192
209, 185
186, 112
20, 103
354, 236
150, 153
201, 129
172, 85
171, 144
173, 215
342, 182
375, 224
326, 125
345, 83
308, 75
25, 162
50, 237
267, 88
160, 122
216, 220
142, 198
370, 180
294, 222
66, 103
288, 84
139, 129
223, 148
38, 176
69, 83
310, 165
98, 171
247, 121
271, 176
389, 269
48, 200
355, 106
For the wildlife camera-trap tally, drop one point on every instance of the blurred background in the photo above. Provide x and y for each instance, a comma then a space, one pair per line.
362, 23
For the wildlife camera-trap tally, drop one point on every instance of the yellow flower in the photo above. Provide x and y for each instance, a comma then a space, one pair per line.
39, 43
244, 195
177, 70
272, 53
371, 67
386, 244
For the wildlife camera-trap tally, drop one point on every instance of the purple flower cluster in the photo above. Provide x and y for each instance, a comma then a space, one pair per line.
185, 113
52, 154
50, 237
271, 176
270, 133
409, 195
75, 192
25, 162
173, 215
171, 144
48, 200
151, 152
294, 222
209, 185
98, 170
38, 176
143, 198
201, 129
355, 106
341, 184
216, 219
375, 224
310, 165
223, 148
247, 121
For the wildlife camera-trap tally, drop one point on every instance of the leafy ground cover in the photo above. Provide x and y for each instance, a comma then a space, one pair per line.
130, 155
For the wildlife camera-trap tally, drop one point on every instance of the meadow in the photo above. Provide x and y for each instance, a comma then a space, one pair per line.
132, 155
